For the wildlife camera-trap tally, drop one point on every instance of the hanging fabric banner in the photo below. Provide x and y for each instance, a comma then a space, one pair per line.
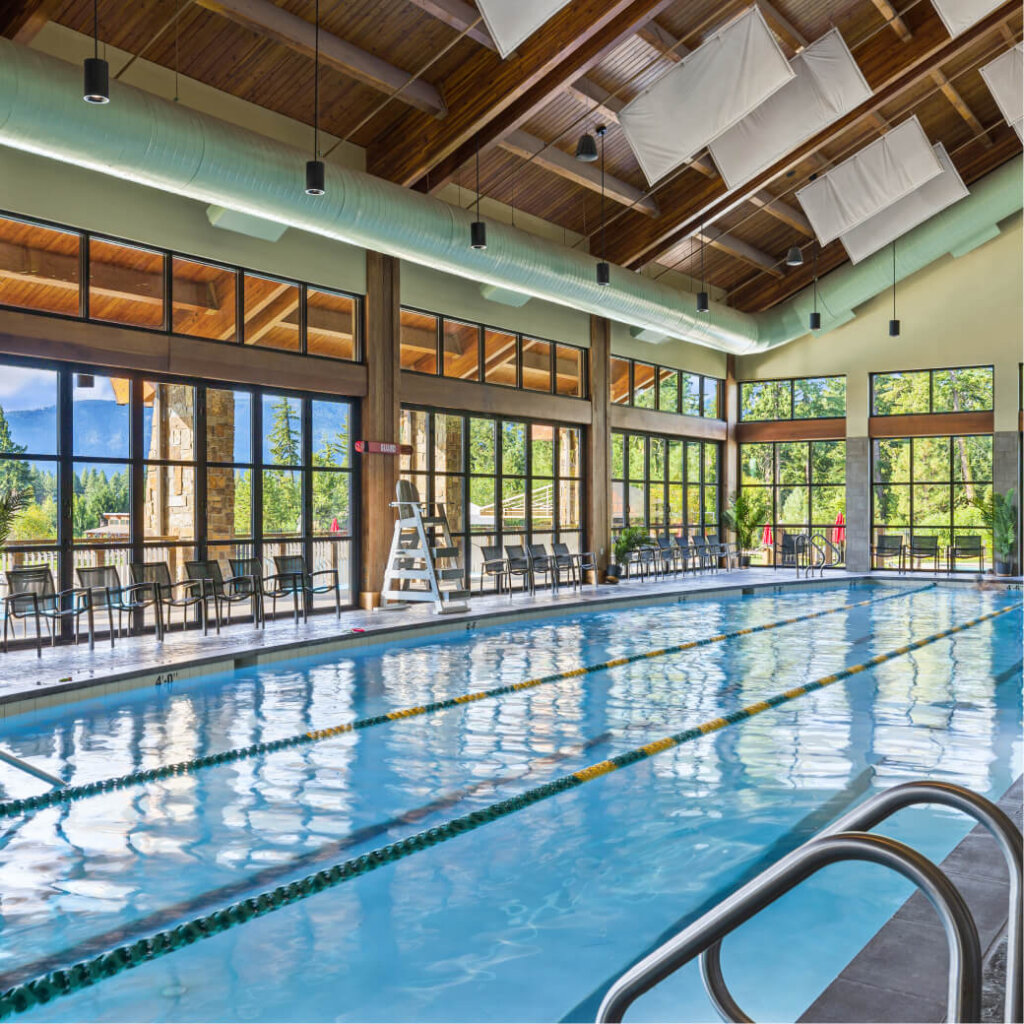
712, 89
1005, 80
512, 23
827, 83
960, 15
869, 181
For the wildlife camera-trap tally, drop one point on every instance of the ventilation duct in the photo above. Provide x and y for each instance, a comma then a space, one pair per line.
869, 181
510, 23
167, 146
827, 83
876, 232
1005, 80
960, 15
713, 88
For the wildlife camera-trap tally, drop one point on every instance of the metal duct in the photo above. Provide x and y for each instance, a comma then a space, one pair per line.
142, 138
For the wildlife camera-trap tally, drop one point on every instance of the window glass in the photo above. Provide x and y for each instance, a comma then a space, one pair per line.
100, 416
536, 365
228, 426
126, 284
500, 358
461, 344
542, 450
691, 394
282, 505
569, 452
711, 399
900, 394
202, 300
481, 446
168, 424
28, 413
418, 342
38, 268
962, 390
414, 427
819, 397
668, 390
569, 371
101, 505
513, 448
282, 430
619, 381
766, 400
228, 502
332, 503
447, 443
331, 434
644, 392
271, 310
331, 324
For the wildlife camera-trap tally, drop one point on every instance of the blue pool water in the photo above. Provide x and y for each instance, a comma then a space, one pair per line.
531, 916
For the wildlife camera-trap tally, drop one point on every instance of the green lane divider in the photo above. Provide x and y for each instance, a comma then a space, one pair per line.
69, 793
64, 981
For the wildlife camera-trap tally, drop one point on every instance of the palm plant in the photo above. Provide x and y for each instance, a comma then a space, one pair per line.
745, 514
11, 504
630, 539
999, 514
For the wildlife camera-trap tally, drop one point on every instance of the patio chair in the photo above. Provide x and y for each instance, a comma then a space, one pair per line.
640, 562
541, 562
228, 592
31, 594
107, 590
567, 562
923, 548
294, 567
586, 561
268, 586
193, 593
669, 551
722, 549
687, 554
967, 548
791, 550
702, 552
495, 566
519, 565
889, 545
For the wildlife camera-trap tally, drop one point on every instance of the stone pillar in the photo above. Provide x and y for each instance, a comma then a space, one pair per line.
380, 422
858, 504
597, 471
220, 447
1006, 456
729, 469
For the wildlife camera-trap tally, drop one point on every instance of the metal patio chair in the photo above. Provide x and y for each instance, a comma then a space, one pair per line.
967, 548
565, 561
687, 554
890, 545
227, 592
268, 586
719, 548
519, 565
107, 590
923, 548
193, 593
493, 565
31, 594
294, 567
792, 550
543, 563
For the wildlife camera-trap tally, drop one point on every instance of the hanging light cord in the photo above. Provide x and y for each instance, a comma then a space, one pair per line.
478, 177
96, 28
604, 247
177, 33
703, 244
894, 280
816, 278
316, 86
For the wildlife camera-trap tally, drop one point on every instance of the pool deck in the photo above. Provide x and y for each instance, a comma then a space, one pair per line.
901, 973
69, 672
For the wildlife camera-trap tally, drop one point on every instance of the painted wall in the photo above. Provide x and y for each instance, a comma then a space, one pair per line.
956, 312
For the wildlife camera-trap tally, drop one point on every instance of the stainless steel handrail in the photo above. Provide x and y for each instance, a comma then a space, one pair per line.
828, 546
703, 937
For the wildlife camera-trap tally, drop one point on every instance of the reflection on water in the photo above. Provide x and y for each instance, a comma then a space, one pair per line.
565, 893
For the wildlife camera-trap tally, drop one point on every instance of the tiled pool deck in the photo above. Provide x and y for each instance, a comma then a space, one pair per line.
29, 682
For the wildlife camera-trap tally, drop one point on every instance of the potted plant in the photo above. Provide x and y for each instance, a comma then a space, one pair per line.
11, 503
999, 514
630, 539
745, 514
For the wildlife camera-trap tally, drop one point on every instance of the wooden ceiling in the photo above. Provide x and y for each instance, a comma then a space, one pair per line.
419, 85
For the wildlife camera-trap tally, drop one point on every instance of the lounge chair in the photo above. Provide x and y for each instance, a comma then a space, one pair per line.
31, 594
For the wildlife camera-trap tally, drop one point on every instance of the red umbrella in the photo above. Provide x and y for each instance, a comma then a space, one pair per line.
766, 536
335, 525
839, 533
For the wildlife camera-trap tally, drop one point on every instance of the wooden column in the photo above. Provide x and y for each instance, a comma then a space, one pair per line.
730, 449
379, 422
597, 478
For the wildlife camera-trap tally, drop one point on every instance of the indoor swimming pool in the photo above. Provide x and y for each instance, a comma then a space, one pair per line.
528, 914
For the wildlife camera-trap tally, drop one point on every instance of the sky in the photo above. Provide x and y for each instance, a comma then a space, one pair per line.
26, 388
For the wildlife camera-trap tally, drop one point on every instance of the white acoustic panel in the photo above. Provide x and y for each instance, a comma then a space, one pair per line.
827, 84
876, 232
512, 21
869, 181
1005, 80
715, 86
959, 15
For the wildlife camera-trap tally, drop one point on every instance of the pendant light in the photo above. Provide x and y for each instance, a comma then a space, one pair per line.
604, 271
478, 229
96, 72
586, 149
794, 258
315, 167
894, 324
815, 317
85, 380
702, 296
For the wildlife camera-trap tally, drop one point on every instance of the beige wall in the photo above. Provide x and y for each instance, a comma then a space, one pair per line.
956, 312
678, 354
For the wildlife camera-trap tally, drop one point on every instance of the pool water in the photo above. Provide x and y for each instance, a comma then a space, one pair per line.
531, 916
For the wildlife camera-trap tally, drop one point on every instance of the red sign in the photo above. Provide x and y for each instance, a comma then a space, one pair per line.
382, 448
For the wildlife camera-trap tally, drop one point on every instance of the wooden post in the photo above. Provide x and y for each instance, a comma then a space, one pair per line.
597, 476
730, 465
379, 422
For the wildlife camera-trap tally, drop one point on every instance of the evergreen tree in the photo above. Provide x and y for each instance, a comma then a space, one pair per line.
15, 474
284, 435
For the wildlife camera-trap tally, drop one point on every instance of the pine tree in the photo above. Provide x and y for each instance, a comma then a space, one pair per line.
284, 435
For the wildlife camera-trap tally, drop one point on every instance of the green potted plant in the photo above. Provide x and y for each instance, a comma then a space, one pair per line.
999, 514
745, 514
11, 504
630, 539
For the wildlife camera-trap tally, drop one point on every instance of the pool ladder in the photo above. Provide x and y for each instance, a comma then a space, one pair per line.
819, 550
844, 840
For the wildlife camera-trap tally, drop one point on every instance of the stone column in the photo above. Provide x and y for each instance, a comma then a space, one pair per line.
858, 504
729, 469
1006, 456
597, 471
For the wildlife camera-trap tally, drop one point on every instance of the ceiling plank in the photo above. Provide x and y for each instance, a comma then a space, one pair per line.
662, 42
489, 97
267, 19
634, 240
959, 104
459, 16
786, 32
896, 23
551, 158
21, 20
741, 250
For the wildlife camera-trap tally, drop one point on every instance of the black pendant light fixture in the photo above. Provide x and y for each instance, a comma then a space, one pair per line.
586, 149
703, 305
814, 320
315, 167
894, 324
794, 258
604, 271
478, 229
96, 71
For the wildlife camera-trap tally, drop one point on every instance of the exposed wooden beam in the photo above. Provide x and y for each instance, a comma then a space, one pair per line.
951, 93
260, 325
662, 42
21, 20
896, 23
266, 18
741, 250
783, 212
459, 16
601, 102
553, 159
891, 68
784, 29
490, 97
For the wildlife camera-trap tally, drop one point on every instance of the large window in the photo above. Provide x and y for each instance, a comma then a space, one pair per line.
917, 392
466, 351
802, 398
41, 270
926, 487
666, 485
500, 481
647, 386
167, 470
801, 487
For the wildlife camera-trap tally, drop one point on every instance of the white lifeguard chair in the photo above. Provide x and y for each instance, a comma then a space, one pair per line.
424, 562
